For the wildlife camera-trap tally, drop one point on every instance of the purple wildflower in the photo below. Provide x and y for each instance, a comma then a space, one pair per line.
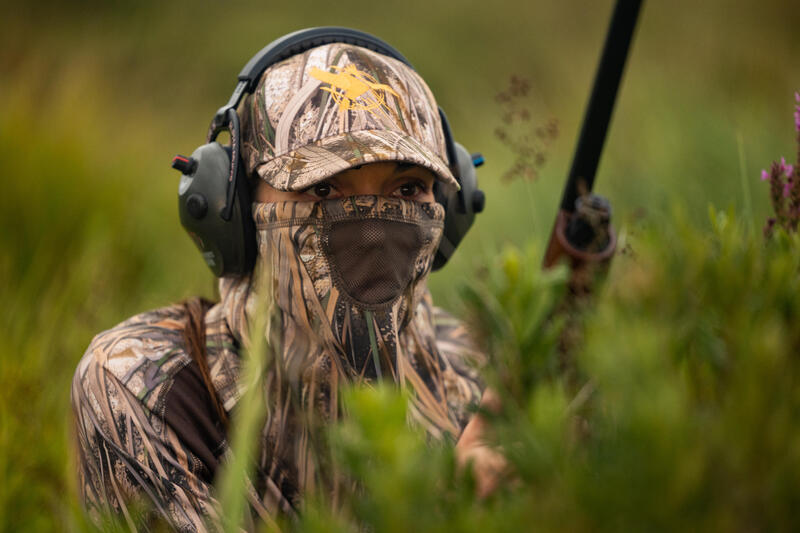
797, 112
769, 226
785, 167
784, 186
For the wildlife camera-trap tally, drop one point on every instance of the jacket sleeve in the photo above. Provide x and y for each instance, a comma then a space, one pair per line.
463, 362
132, 467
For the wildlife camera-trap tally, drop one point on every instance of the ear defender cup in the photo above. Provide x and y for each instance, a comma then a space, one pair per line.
228, 246
214, 198
460, 206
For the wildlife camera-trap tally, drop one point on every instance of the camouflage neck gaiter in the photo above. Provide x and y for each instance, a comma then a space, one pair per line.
348, 284
347, 275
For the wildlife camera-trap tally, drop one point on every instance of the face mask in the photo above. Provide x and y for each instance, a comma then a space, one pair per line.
347, 274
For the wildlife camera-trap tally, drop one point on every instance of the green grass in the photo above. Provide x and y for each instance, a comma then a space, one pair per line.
97, 98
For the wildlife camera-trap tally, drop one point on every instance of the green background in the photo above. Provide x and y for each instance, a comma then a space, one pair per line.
96, 98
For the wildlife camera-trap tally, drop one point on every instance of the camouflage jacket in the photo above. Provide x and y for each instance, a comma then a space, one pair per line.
149, 439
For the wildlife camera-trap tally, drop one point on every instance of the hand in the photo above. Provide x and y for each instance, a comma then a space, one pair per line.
489, 466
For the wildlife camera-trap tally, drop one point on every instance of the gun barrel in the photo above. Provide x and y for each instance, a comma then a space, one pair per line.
601, 102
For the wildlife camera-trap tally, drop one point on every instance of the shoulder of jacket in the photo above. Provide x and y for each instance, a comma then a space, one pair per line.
455, 340
140, 354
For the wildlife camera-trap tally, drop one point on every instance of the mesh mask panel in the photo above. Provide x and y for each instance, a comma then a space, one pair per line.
372, 260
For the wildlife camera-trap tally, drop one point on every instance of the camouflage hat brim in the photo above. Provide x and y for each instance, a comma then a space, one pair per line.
315, 162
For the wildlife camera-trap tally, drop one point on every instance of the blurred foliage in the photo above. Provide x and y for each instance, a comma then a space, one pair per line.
685, 417
693, 404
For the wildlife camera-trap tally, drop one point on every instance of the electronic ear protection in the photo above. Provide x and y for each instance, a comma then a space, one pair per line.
214, 197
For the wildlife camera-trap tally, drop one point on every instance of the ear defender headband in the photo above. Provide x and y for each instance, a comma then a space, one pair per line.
214, 197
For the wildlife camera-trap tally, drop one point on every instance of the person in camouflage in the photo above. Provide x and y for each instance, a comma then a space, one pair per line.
343, 145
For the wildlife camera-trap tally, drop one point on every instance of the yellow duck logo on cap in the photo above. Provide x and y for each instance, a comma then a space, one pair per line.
348, 87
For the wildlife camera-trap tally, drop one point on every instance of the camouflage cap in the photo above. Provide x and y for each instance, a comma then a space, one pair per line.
335, 107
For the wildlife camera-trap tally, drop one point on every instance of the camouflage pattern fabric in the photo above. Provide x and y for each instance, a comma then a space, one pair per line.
335, 107
330, 333
147, 434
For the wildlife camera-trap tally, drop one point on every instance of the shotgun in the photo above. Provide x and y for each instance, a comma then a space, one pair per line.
595, 125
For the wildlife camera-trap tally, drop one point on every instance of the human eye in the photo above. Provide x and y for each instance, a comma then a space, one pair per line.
411, 189
323, 189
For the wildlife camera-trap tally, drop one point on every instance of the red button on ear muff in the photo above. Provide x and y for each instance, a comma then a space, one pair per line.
187, 165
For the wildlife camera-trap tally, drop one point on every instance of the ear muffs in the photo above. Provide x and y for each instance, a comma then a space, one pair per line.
213, 195
214, 203
228, 246
460, 206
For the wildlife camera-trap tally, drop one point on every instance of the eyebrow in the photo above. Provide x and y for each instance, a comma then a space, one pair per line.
402, 166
